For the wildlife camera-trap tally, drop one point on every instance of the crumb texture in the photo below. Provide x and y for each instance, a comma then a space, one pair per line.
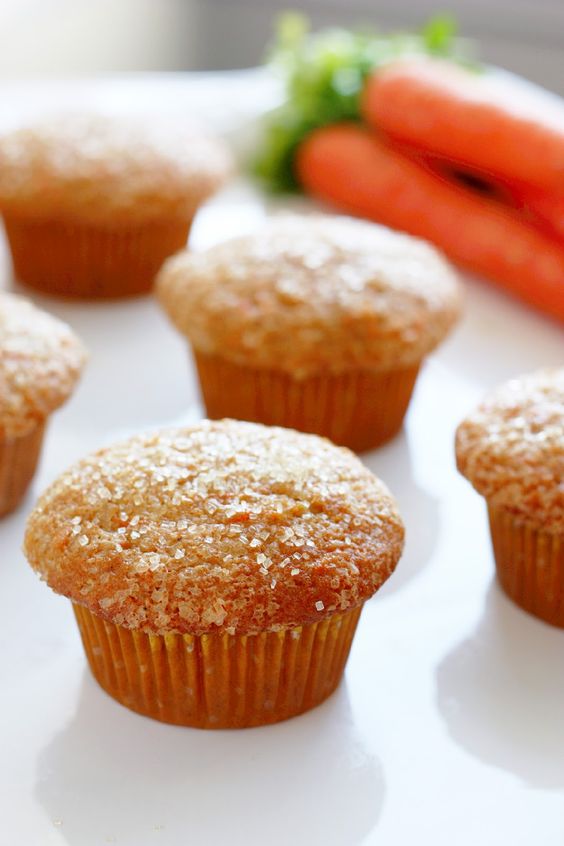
101, 169
512, 448
223, 525
349, 294
40, 362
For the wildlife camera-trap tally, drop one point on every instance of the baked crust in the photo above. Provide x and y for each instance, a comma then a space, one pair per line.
225, 525
512, 448
41, 360
311, 293
104, 170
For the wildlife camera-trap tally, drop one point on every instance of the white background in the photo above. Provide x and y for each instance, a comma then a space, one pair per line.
74, 37
448, 728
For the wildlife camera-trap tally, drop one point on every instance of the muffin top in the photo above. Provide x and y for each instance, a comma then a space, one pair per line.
96, 168
312, 293
512, 448
217, 526
40, 362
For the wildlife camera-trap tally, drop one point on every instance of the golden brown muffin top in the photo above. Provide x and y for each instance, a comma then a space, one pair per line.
312, 293
40, 362
102, 169
225, 525
512, 448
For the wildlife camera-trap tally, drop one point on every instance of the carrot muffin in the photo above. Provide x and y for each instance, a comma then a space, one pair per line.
317, 323
512, 450
40, 362
93, 205
217, 571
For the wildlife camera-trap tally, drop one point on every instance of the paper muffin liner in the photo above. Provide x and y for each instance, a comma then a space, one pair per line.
89, 261
530, 565
360, 409
18, 462
219, 680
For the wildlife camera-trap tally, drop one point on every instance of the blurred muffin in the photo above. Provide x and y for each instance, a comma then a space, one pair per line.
93, 205
218, 571
40, 362
316, 323
512, 451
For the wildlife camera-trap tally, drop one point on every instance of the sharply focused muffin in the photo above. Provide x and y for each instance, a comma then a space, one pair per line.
316, 323
93, 204
40, 362
217, 571
512, 451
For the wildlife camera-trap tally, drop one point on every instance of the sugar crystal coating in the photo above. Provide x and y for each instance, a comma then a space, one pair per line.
511, 448
40, 362
218, 526
98, 168
311, 293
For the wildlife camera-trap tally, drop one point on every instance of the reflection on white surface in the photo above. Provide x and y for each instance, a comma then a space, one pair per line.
497, 341
501, 693
111, 774
130, 340
419, 508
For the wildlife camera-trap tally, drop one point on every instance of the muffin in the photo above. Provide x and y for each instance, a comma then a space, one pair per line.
93, 205
317, 323
512, 451
40, 362
217, 571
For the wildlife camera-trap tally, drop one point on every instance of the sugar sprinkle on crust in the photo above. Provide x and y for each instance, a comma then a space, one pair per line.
225, 525
348, 293
97, 168
512, 448
40, 362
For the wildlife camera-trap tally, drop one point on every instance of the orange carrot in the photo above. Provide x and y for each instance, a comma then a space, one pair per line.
534, 205
547, 210
352, 168
509, 129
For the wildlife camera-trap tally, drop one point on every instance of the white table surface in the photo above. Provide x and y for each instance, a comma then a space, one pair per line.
449, 726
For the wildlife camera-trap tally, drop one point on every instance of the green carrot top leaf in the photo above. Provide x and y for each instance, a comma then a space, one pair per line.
439, 35
323, 75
